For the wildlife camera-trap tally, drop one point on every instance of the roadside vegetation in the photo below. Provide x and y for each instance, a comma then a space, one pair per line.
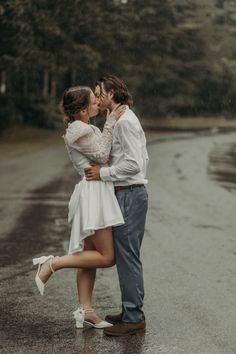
20, 140
177, 56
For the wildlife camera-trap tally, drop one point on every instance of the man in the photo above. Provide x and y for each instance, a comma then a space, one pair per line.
128, 161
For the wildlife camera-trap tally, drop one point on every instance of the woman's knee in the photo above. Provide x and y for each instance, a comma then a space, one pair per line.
109, 261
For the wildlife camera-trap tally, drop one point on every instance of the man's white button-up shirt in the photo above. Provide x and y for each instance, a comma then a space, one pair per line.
128, 158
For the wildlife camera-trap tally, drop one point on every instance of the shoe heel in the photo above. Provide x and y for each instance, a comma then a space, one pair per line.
36, 261
40, 260
79, 324
79, 317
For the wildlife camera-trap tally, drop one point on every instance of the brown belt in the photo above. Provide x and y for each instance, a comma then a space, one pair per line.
131, 186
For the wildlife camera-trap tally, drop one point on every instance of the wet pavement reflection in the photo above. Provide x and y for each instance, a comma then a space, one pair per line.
186, 242
30, 323
44, 207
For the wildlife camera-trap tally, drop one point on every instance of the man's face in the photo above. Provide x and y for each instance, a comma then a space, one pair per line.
103, 98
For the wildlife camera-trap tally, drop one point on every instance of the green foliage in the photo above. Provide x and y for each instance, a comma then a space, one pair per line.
220, 3
6, 111
160, 48
39, 112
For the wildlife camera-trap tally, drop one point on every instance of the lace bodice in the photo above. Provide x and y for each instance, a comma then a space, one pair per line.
86, 143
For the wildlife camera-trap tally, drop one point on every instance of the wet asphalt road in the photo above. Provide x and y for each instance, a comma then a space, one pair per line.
189, 254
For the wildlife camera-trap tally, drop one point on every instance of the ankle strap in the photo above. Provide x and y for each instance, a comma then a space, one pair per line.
89, 310
50, 265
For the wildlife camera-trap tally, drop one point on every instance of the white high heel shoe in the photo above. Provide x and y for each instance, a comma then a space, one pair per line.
40, 261
79, 316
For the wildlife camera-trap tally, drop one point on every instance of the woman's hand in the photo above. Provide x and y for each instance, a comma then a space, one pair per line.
117, 111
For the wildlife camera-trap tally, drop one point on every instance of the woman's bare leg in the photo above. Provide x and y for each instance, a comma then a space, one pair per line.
98, 252
86, 280
85, 285
101, 257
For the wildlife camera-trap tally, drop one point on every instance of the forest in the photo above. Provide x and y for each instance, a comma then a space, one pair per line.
178, 57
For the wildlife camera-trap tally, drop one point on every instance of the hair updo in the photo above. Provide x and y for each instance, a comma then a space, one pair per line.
74, 100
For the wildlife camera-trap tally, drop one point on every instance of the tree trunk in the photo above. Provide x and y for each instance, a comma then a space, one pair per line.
3, 84
53, 89
73, 77
25, 84
45, 83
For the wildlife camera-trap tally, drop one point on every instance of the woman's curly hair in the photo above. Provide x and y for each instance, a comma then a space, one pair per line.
74, 100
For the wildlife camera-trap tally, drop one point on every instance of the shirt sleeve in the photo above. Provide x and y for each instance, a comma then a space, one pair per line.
129, 139
97, 147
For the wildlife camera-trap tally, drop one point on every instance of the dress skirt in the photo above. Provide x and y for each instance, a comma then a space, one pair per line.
92, 206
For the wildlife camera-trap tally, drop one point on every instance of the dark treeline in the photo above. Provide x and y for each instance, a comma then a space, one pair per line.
171, 53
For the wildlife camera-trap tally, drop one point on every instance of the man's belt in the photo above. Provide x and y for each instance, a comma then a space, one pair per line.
131, 186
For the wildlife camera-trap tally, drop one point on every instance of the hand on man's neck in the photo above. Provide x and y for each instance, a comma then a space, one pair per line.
113, 105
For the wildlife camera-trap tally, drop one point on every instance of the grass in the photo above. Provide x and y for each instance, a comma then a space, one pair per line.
189, 124
21, 140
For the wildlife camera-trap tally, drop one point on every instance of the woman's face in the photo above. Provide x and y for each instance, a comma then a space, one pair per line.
103, 98
93, 106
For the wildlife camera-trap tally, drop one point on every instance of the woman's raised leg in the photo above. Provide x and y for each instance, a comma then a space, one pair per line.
101, 257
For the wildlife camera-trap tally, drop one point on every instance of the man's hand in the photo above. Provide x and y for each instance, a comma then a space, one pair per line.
92, 173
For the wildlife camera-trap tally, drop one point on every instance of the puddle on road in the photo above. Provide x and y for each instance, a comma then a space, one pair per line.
37, 228
222, 165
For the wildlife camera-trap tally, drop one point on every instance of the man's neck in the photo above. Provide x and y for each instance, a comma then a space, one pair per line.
113, 105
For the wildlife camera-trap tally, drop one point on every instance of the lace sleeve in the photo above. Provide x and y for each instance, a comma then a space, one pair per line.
97, 147
76, 130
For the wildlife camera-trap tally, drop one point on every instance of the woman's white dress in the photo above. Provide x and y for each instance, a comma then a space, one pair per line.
93, 204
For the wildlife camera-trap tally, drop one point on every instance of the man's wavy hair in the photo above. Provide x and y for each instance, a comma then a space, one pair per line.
121, 92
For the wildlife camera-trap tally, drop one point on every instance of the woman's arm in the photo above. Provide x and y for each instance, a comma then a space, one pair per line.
97, 147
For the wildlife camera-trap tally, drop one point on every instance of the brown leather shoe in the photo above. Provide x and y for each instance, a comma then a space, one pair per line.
125, 329
114, 319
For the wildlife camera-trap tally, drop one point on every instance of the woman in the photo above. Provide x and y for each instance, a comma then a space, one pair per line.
93, 207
